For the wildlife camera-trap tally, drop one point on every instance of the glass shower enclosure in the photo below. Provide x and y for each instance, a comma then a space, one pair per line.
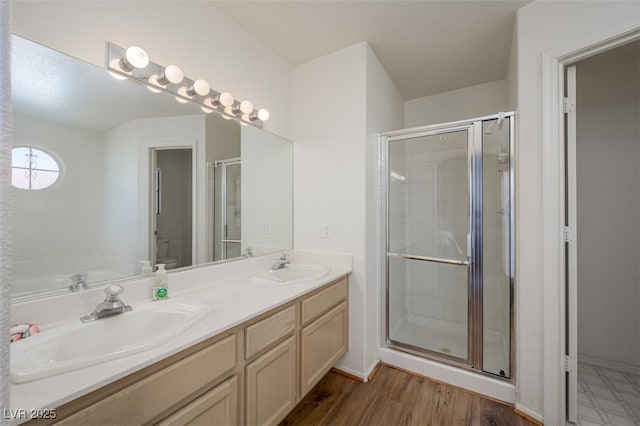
448, 192
227, 230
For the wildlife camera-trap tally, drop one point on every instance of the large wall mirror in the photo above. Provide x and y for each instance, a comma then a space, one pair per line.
107, 175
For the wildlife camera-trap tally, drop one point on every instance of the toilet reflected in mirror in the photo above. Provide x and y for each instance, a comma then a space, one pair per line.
162, 254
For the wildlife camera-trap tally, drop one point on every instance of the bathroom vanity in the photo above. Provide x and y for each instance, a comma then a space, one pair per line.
253, 371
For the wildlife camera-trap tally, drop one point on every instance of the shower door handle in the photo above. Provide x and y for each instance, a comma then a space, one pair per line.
431, 259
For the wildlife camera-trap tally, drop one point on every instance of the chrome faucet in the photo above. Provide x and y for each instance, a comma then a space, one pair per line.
78, 281
280, 263
112, 305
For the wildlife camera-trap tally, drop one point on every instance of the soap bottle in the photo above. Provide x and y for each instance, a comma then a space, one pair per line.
146, 267
161, 285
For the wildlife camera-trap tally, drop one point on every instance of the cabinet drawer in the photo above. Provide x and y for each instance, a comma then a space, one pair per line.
322, 344
324, 300
219, 406
262, 334
151, 396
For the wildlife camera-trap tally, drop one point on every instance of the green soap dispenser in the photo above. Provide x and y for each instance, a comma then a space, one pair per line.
161, 286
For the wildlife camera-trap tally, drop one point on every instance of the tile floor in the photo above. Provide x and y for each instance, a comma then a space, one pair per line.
607, 397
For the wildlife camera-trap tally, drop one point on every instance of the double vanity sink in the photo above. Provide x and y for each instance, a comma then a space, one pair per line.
71, 360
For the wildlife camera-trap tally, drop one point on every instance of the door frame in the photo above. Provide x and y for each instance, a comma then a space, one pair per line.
147, 218
554, 266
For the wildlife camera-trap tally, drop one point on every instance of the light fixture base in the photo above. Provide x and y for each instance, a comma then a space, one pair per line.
149, 75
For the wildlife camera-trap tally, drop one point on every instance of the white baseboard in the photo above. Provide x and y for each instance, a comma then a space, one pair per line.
613, 365
351, 372
371, 368
478, 383
528, 412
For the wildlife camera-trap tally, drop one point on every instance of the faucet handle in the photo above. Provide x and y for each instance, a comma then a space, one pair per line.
286, 257
113, 291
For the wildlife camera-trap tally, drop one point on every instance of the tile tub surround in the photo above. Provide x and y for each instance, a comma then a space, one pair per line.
227, 288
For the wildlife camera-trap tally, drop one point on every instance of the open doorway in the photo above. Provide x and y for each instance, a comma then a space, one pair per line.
603, 237
172, 213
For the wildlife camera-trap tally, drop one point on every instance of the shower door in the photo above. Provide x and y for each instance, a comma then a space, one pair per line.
429, 244
227, 230
448, 250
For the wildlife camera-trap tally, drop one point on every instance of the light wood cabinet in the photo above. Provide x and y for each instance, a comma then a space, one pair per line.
320, 302
147, 398
272, 385
323, 343
254, 373
263, 334
219, 406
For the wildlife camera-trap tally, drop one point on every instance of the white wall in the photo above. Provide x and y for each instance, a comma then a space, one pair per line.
58, 229
267, 191
460, 104
223, 138
540, 27
192, 34
333, 163
120, 231
608, 155
329, 172
385, 111
511, 79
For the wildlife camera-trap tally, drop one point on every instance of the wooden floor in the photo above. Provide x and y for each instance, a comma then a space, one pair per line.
394, 397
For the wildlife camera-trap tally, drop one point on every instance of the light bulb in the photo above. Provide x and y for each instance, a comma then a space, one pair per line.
171, 74
199, 87
225, 99
134, 57
263, 114
246, 107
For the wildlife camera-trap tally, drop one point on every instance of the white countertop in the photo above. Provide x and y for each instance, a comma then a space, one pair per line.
226, 288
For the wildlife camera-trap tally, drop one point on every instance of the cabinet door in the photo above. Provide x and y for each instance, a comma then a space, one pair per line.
271, 385
219, 406
323, 342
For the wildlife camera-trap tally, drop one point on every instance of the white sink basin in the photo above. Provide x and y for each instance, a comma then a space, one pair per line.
74, 345
292, 274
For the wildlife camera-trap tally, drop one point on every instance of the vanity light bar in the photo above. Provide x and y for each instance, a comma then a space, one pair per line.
171, 79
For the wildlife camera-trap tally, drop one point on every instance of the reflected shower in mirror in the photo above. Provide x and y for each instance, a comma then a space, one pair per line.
138, 178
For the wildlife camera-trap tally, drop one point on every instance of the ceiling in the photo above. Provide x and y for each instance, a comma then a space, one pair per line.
426, 47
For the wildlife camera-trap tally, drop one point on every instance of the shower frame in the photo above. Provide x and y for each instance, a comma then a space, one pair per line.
224, 241
475, 328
